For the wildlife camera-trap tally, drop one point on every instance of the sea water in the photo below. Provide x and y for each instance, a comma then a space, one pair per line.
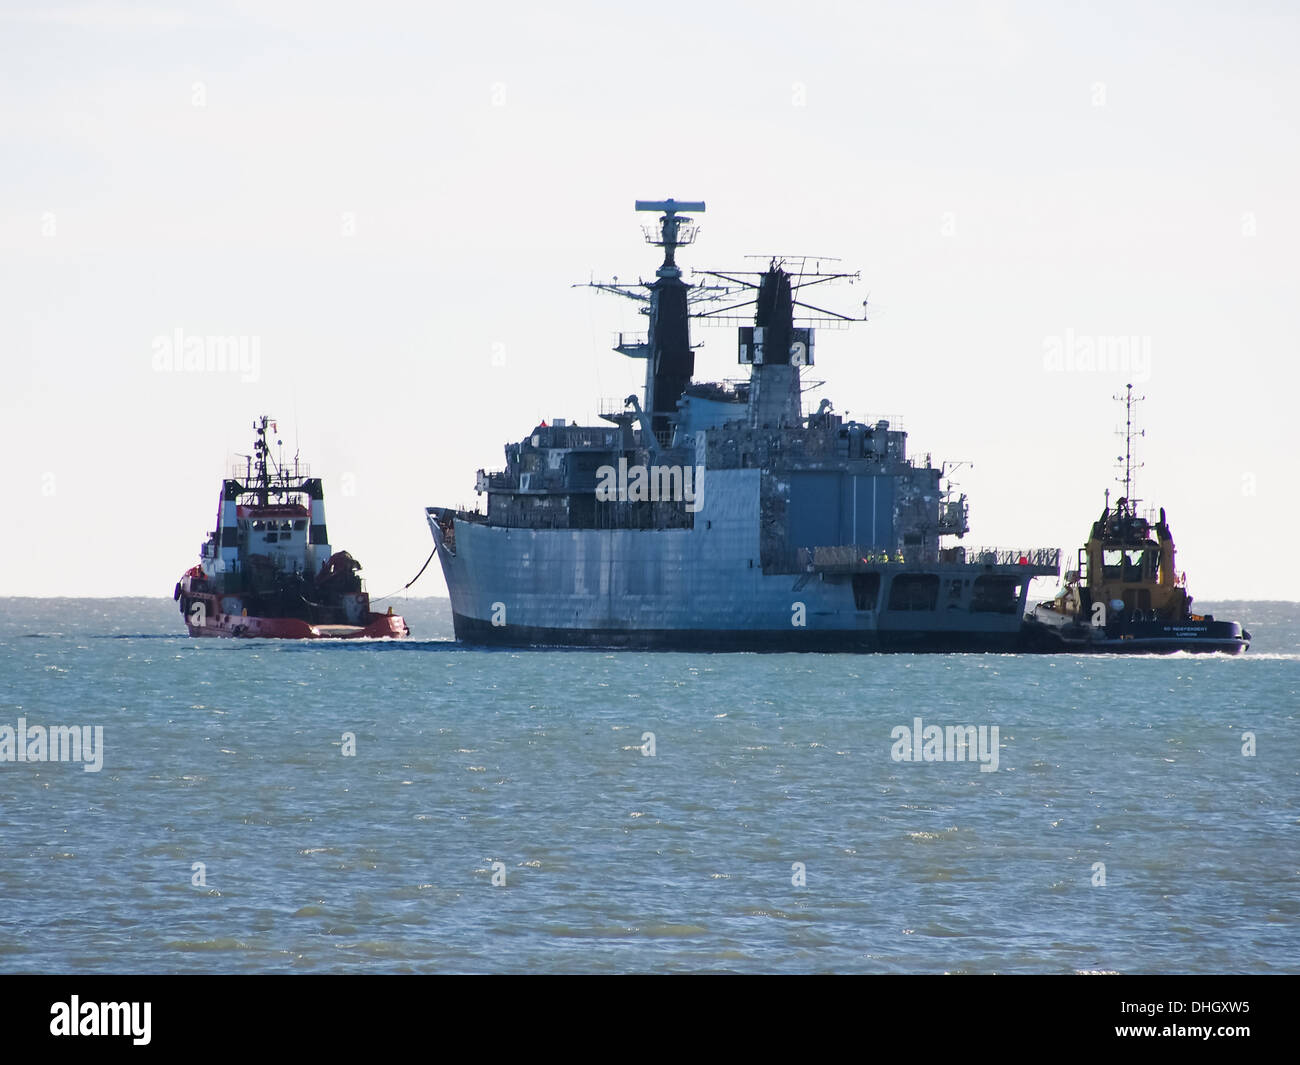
415, 806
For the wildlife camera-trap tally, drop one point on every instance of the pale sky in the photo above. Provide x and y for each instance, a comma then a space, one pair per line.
393, 200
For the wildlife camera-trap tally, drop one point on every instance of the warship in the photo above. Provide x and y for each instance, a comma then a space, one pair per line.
720, 515
1125, 595
268, 569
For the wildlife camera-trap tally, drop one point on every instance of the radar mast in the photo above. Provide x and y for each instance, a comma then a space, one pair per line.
1126, 460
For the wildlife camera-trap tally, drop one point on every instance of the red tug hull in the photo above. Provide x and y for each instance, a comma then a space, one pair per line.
232, 626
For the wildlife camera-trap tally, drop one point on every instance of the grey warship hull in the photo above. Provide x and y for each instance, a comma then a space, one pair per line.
720, 516
703, 589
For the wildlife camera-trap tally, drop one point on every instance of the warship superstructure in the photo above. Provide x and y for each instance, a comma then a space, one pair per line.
721, 515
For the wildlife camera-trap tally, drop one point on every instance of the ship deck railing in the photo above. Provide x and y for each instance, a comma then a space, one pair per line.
498, 480
577, 437
634, 342
246, 474
856, 558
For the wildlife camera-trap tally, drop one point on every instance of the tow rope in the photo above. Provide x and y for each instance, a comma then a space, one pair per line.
412, 580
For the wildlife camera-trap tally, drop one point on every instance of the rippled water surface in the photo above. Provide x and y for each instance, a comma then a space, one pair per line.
534, 767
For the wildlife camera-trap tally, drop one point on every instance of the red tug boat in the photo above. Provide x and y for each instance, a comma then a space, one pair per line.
268, 569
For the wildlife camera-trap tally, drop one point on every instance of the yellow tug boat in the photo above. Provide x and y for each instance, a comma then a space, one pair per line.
1126, 596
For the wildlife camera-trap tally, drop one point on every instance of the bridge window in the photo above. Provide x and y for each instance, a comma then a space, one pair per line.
1133, 568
